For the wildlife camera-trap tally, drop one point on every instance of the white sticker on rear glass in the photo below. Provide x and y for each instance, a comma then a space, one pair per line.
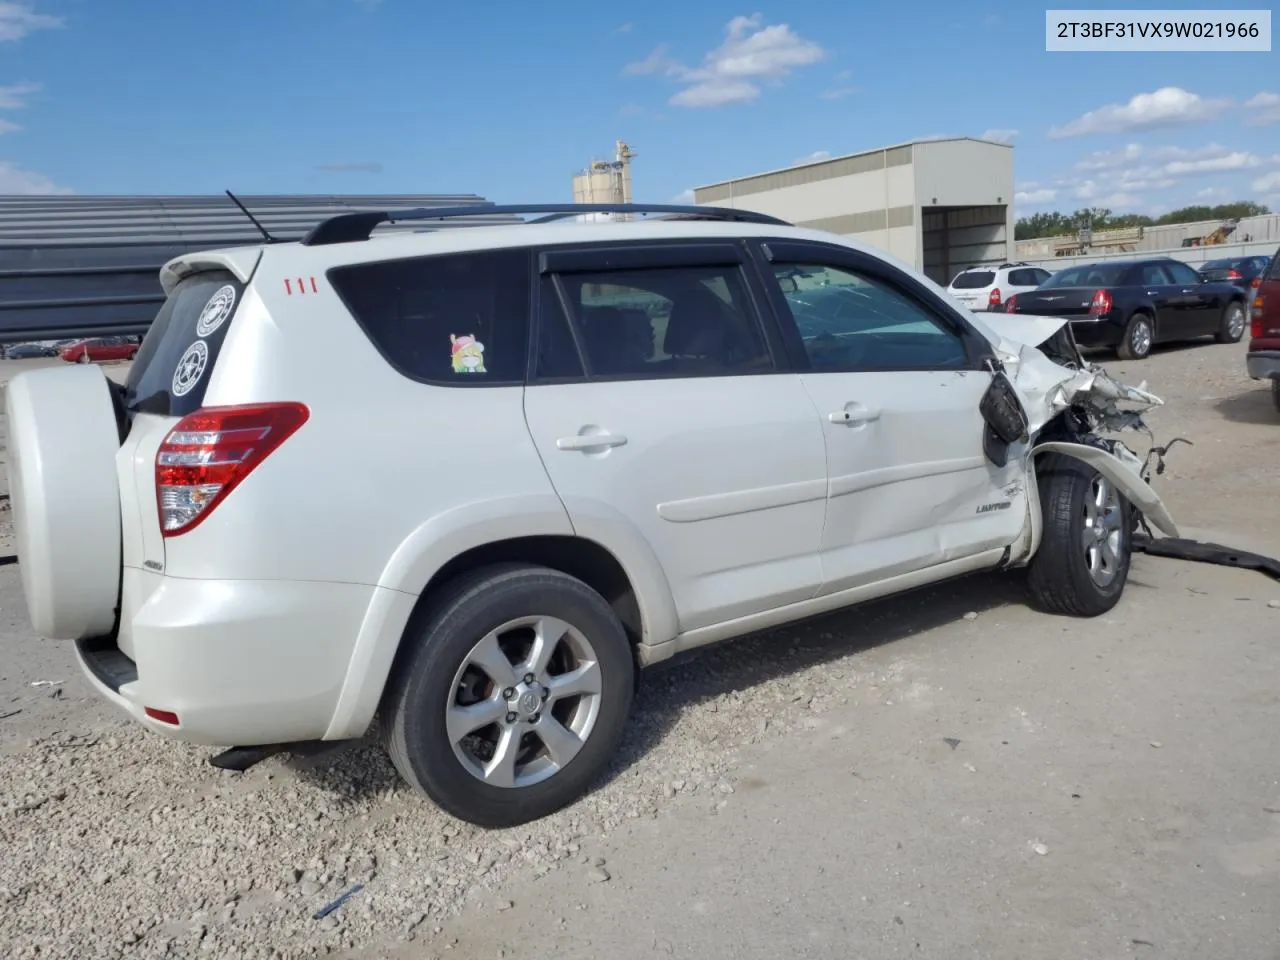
190, 369
216, 311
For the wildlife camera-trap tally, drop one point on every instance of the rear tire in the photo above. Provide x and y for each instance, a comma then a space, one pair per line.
450, 680
1082, 564
1139, 336
1231, 326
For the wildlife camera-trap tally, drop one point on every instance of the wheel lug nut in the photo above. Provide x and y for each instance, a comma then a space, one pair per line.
545, 693
535, 718
508, 693
528, 678
512, 718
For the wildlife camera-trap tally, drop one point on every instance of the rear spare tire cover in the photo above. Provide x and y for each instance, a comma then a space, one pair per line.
65, 498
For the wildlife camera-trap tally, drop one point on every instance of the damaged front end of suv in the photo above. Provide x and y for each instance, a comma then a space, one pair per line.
1069, 407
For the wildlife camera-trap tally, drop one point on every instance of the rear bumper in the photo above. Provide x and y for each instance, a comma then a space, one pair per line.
240, 662
1263, 364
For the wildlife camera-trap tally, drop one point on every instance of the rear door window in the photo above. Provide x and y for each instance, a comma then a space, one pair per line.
460, 320
973, 280
1274, 272
171, 371
1181, 273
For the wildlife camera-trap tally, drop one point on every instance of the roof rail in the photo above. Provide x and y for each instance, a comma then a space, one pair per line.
348, 227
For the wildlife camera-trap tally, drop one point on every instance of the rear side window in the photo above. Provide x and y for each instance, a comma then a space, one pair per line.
1027, 278
458, 320
1274, 272
171, 371
973, 280
666, 322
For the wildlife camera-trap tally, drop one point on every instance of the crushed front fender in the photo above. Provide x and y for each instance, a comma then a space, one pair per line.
1125, 475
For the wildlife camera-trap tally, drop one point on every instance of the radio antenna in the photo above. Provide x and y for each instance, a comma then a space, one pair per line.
252, 219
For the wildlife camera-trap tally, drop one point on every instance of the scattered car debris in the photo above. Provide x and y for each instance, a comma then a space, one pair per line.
328, 908
11, 713
47, 683
1040, 848
951, 742
1178, 548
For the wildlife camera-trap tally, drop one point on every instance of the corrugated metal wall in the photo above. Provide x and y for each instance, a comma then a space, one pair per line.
79, 266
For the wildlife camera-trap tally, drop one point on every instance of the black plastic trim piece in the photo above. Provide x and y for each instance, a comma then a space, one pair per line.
1177, 548
351, 227
107, 662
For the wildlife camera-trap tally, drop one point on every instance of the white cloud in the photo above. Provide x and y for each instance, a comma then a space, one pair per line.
999, 135
750, 55
1211, 193
844, 75
14, 96
1238, 160
1267, 184
1106, 159
1034, 198
19, 19
15, 180
684, 196
624, 28
7, 126
1166, 107
1265, 107
813, 157
838, 93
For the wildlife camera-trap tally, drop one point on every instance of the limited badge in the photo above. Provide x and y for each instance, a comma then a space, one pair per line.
216, 311
468, 354
190, 369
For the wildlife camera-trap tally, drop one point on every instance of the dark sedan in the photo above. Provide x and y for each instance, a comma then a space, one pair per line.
1132, 305
1245, 272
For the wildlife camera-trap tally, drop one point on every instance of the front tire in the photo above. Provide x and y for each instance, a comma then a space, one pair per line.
1231, 326
1139, 336
513, 696
1082, 564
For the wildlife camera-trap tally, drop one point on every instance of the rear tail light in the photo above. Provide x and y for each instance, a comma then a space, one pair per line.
1255, 328
208, 453
1011, 305
1256, 282
1257, 307
994, 299
164, 716
1101, 304
1234, 275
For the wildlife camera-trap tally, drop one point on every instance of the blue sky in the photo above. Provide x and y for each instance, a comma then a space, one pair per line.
508, 100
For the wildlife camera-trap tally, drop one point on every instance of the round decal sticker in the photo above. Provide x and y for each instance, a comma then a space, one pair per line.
190, 368
216, 311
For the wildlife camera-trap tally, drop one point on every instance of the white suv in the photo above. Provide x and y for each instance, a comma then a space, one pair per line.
989, 288
470, 480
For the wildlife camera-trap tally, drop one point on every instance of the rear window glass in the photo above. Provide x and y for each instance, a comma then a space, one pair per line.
973, 280
460, 319
1222, 264
1088, 275
1274, 272
171, 372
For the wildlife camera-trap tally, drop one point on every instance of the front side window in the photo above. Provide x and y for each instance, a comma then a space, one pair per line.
460, 319
851, 322
665, 322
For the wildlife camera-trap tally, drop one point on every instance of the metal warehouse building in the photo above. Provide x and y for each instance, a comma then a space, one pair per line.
82, 265
941, 205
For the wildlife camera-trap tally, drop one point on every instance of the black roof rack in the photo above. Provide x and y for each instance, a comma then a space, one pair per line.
348, 227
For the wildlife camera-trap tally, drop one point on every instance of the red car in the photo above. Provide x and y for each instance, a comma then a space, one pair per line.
1263, 359
99, 348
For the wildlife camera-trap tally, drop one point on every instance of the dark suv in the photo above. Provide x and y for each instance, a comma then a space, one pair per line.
1263, 359
1132, 305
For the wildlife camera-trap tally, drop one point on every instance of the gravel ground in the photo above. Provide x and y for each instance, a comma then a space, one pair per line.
743, 773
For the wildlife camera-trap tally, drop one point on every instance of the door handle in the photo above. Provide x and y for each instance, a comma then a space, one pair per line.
590, 441
854, 413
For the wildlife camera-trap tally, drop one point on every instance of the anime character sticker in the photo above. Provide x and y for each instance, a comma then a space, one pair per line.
468, 354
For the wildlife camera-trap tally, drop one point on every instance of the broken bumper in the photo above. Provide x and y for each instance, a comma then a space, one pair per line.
1263, 364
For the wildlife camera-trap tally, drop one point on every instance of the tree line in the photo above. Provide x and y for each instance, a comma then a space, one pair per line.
1100, 218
